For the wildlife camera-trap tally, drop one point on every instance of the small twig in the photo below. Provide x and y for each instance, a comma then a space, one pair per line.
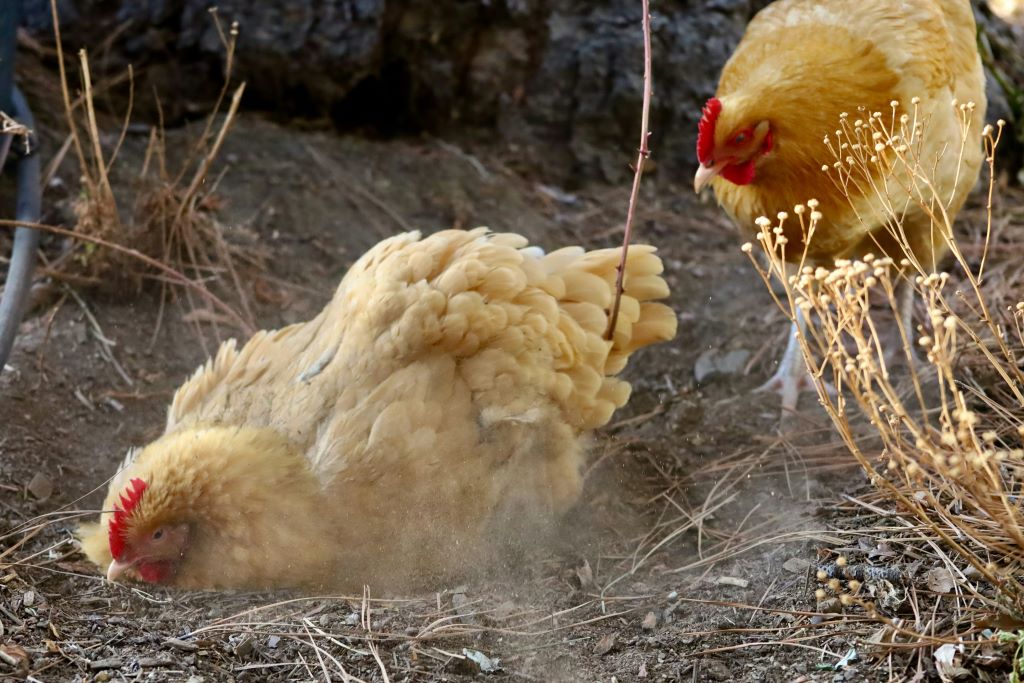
104, 189
67, 96
106, 344
642, 155
200, 176
367, 625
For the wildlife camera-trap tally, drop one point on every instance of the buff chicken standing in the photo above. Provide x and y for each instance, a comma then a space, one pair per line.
438, 406
800, 65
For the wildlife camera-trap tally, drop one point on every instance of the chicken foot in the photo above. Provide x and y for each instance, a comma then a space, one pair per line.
792, 376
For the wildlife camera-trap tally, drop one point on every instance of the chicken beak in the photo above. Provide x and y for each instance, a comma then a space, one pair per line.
117, 568
705, 174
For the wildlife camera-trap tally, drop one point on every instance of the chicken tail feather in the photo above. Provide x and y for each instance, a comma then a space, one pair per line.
584, 287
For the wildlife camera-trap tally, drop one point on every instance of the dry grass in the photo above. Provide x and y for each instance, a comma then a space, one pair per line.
171, 219
940, 436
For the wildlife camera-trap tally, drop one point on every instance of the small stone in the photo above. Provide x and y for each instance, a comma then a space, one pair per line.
273, 641
28, 599
244, 647
734, 361
796, 565
41, 486
705, 366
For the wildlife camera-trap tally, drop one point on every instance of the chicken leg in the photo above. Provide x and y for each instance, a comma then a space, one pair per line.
896, 351
792, 376
905, 302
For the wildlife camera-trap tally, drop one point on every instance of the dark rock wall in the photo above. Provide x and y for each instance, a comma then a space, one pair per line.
560, 79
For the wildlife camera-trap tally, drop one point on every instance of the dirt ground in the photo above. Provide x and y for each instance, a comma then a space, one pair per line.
690, 557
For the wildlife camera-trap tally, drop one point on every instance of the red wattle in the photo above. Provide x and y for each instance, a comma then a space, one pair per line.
739, 174
154, 572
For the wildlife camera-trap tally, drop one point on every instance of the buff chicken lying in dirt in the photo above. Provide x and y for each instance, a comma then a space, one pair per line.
800, 66
437, 407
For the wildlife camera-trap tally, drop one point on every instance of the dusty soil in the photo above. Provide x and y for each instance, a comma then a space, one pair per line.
689, 558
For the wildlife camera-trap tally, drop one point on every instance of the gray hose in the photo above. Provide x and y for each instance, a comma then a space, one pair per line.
26, 240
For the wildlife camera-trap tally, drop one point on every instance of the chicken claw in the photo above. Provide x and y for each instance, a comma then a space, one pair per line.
793, 377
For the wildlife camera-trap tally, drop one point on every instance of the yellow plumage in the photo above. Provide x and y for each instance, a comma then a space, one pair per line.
769, 140
442, 394
802, 63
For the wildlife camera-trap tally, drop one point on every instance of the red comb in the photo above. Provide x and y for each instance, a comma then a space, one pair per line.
129, 499
706, 130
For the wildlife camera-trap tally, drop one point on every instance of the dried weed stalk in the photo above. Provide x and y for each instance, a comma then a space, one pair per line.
946, 451
643, 152
171, 219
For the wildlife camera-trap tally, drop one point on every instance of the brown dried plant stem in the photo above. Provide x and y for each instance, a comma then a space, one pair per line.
951, 456
64, 91
642, 155
171, 273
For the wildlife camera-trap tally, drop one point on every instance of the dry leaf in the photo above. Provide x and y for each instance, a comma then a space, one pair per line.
650, 622
940, 580
486, 664
15, 657
882, 550
606, 644
946, 658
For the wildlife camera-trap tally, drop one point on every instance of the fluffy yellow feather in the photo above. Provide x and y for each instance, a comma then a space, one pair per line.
800, 65
440, 399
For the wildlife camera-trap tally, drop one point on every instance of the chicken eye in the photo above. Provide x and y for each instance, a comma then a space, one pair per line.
158, 534
740, 139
